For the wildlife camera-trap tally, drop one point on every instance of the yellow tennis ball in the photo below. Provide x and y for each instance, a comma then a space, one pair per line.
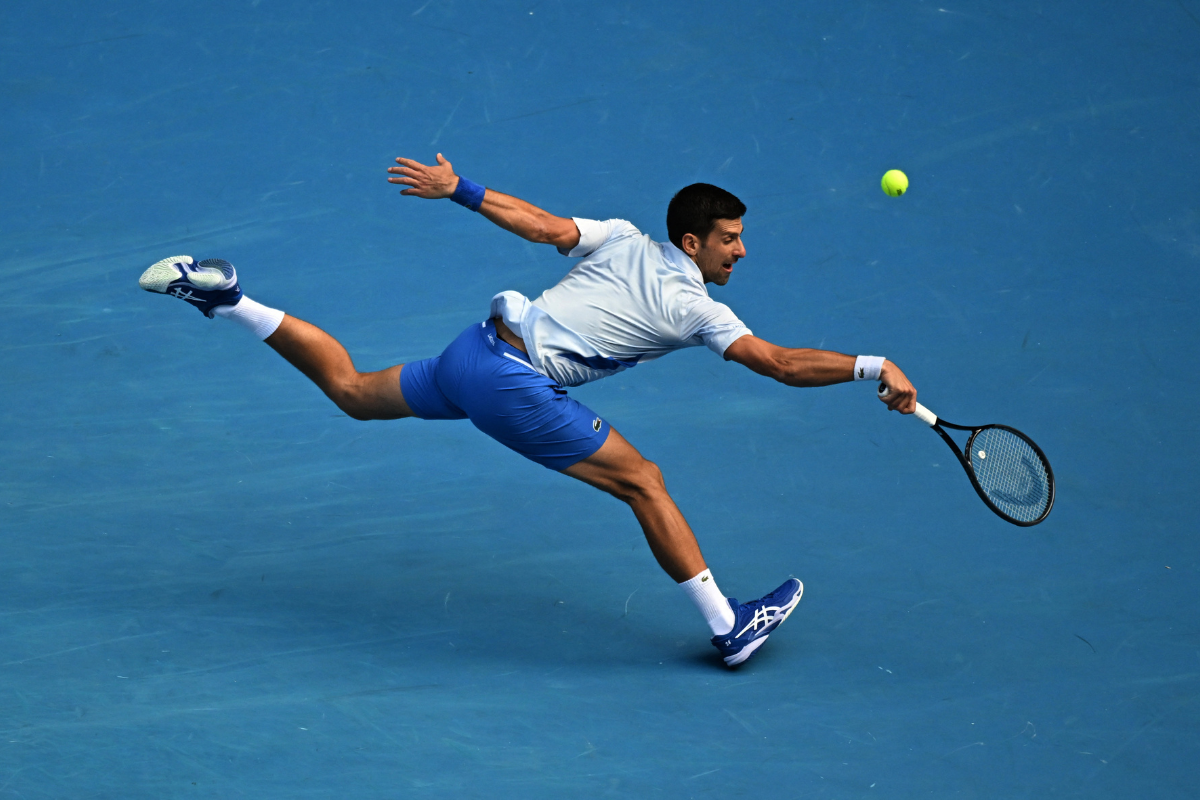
895, 183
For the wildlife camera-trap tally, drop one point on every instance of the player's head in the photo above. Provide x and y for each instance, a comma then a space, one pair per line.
705, 221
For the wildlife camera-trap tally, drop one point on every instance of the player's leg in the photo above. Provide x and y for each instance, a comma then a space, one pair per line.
739, 628
362, 395
505, 397
619, 469
484, 378
212, 287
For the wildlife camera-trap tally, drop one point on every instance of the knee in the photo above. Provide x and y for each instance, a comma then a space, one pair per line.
360, 414
641, 482
349, 397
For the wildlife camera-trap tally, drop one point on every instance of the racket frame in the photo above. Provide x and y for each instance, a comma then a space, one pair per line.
932, 420
970, 469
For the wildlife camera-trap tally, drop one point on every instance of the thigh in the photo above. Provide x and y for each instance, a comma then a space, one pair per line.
419, 390
380, 395
527, 413
503, 396
614, 467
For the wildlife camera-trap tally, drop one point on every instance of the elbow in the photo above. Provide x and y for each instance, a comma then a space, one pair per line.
558, 231
545, 228
773, 368
762, 358
793, 374
778, 369
540, 233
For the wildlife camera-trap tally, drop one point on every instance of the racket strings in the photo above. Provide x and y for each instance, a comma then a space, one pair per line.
1011, 473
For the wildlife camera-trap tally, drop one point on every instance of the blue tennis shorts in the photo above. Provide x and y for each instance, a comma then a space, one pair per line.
482, 378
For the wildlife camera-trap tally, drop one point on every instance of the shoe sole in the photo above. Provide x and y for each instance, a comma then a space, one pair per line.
748, 650
162, 274
209, 274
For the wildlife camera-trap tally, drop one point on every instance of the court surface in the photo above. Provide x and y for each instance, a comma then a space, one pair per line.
213, 584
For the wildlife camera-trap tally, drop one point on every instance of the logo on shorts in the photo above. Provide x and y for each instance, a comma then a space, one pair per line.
596, 424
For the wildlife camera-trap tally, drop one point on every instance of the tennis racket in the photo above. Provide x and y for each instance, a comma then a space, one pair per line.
1009, 472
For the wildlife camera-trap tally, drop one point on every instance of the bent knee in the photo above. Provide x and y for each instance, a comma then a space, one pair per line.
358, 413
351, 400
642, 481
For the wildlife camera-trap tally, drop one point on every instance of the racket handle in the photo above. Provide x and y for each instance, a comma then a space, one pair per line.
922, 413
925, 415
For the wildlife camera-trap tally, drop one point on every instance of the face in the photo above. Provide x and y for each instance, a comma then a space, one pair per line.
716, 255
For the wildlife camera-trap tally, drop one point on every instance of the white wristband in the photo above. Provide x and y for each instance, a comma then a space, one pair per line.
867, 368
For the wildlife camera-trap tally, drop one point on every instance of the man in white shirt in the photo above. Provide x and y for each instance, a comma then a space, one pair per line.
628, 300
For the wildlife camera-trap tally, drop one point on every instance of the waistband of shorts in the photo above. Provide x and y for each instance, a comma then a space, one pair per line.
487, 332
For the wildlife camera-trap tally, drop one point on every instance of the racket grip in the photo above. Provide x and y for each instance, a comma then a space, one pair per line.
922, 413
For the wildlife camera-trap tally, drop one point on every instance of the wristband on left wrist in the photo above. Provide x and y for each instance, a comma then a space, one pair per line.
468, 194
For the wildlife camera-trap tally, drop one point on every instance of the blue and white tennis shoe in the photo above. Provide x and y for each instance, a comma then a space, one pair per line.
754, 622
211, 283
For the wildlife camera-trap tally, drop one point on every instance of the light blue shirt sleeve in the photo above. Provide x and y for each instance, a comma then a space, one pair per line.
715, 325
593, 235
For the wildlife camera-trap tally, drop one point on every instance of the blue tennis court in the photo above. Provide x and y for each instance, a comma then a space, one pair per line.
215, 584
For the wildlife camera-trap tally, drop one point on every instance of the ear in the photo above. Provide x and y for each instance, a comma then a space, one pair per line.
691, 244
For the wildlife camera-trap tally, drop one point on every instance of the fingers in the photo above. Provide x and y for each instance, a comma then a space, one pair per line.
904, 401
415, 169
412, 174
900, 397
428, 181
903, 397
900, 394
411, 164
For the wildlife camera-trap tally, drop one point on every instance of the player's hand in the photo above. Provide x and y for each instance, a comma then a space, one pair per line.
902, 395
430, 182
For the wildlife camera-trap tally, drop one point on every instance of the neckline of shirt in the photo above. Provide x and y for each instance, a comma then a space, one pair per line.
683, 261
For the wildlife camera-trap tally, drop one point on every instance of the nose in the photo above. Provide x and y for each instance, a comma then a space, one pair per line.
740, 252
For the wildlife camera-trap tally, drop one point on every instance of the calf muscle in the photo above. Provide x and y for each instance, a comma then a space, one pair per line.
619, 469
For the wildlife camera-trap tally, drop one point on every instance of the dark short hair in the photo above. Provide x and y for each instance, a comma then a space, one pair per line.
695, 209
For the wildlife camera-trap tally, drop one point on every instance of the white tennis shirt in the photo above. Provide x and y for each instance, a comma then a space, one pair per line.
629, 300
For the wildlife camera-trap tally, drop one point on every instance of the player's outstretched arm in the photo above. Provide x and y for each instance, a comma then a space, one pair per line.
434, 182
806, 367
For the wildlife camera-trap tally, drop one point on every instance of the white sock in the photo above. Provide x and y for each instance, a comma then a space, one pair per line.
703, 591
255, 317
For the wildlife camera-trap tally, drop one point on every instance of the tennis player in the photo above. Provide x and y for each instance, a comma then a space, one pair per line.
627, 301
